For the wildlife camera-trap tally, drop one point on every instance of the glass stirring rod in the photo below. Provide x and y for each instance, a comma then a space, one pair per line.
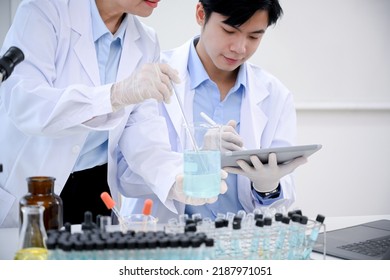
213, 123
192, 138
193, 142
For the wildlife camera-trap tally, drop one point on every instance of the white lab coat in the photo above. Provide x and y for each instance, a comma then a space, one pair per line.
268, 119
54, 99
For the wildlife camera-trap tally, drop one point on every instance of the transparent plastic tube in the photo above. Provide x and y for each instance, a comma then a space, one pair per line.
312, 237
280, 244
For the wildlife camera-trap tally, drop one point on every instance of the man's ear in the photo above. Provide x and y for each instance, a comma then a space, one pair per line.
200, 14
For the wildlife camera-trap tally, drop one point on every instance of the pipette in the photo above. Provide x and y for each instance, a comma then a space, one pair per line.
193, 142
146, 211
110, 204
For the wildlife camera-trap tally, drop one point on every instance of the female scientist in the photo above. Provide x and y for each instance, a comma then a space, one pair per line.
84, 97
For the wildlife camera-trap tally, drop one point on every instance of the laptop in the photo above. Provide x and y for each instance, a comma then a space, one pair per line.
368, 241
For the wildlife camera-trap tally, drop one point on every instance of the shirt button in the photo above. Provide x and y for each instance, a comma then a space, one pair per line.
76, 149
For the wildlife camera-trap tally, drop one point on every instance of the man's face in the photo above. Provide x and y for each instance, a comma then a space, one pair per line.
226, 47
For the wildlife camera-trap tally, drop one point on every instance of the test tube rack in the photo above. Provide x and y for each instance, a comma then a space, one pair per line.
231, 236
130, 245
255, 236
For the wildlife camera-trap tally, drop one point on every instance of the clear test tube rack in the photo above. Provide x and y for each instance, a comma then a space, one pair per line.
230, 236
268, 239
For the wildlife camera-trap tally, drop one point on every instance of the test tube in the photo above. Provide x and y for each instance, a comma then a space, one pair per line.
182, 219
247, 225
276, 226
281, 238
104, 222
293, 236
267, 238
196, 217
230, 216
235, 241
313, 236
209, 251
52, 247
206, 225
256, 248
301, 237
221, 235
172, 226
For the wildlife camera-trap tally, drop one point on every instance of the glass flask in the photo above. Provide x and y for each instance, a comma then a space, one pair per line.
41, 192
32, 235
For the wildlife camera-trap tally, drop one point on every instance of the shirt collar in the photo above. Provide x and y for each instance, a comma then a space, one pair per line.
241, 78
195, 67
199, 75
99, 29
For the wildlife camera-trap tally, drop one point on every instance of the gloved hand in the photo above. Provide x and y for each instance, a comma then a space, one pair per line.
151, 81
230, 139
265, 177
177, 192
225, 136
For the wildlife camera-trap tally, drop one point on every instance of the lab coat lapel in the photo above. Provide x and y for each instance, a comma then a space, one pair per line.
131, 53
253, 121
130, 57
84, 47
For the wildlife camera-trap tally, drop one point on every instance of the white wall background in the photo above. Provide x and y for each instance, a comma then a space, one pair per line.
7, 11
334, 56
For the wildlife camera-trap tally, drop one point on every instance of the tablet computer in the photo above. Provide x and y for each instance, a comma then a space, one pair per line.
283, 154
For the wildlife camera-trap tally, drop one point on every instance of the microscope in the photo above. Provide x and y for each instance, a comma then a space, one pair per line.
8, 61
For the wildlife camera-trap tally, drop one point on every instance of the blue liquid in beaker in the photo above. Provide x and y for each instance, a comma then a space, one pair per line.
202, 173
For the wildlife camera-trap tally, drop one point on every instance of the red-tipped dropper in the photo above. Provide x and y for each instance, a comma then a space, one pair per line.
148, 204
110, 204
146, 211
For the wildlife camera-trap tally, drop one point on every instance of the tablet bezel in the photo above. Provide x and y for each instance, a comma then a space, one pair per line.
283, 154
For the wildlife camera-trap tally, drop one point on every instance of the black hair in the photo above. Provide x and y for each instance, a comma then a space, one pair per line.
239, 11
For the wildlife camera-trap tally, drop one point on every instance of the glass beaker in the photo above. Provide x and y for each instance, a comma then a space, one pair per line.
32, 236
41, 192
202, 161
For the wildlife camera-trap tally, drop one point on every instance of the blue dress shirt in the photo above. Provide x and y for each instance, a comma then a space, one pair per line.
108, 52
207, 100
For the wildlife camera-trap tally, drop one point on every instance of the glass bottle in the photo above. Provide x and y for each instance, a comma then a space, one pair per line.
32, 235
41, 192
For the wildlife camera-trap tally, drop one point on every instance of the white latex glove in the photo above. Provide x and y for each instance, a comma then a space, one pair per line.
265, 177
226, 136
177, 192
230, 139
151, 81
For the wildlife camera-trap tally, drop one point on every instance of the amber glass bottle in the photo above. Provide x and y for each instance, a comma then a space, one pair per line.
41, 192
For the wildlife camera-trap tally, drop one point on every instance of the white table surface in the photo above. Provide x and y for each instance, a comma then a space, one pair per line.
9, 237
